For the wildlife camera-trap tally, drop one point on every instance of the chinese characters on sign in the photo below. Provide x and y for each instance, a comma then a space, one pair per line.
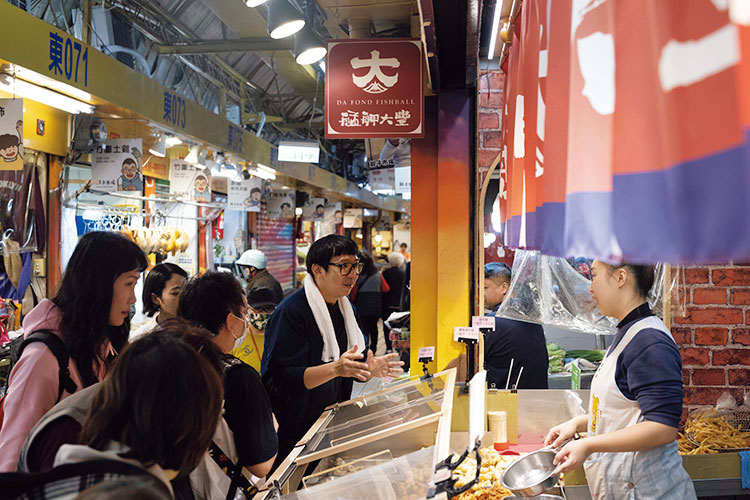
175, 109
280, 205
353, 217
245, 195
234, 138
187, 180
374, 89
301, 152
381, 179
116, 165
69, 58
11, 134
402, 178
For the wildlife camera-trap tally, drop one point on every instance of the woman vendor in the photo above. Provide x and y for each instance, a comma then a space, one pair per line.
636, 399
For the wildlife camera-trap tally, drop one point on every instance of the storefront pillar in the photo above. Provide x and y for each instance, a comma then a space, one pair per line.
441, 227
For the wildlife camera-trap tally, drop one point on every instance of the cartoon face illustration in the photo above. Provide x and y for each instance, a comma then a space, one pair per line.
129, 169
9, 147
201, 183
338, 218
319, 210
255, 195
286, 211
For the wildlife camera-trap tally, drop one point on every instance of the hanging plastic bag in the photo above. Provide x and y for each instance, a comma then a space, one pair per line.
551, 291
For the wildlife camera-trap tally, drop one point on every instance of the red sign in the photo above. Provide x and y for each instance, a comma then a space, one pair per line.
374, 89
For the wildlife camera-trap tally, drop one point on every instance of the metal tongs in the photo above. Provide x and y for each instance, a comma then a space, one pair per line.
443, 479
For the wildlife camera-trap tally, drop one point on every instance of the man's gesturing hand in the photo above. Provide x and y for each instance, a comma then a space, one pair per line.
346, 366
384, 366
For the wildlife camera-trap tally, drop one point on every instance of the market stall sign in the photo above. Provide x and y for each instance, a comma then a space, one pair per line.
463, 333
487, 322
301, 152
374, 89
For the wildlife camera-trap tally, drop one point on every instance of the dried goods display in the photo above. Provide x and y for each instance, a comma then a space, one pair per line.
715, 432
161, 240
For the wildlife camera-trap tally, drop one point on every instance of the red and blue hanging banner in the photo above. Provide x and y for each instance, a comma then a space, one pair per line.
626, 132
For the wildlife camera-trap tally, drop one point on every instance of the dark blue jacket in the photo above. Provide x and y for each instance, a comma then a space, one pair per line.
522, 342
292, 344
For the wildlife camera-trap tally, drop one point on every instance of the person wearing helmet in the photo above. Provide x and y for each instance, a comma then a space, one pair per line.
252, 264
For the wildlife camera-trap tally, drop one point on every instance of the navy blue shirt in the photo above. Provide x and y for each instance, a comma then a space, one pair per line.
523, 343
292, 345
649, 370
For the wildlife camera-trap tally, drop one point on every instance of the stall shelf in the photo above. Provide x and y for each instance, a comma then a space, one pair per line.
389, 424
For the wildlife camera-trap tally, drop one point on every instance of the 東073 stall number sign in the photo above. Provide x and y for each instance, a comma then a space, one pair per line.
374, 89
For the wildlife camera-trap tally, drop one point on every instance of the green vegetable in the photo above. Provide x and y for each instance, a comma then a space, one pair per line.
588, 355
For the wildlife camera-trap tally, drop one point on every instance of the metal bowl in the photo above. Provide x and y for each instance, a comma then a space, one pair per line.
531, 474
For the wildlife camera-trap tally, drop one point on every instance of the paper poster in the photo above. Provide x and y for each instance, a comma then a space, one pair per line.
333, 213
314, 209
188, 180
353, 217
280, 204
245, 195
11, 134
402, 178
381, 179
116, 165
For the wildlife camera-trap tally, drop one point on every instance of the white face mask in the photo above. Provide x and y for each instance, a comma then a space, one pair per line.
239, 340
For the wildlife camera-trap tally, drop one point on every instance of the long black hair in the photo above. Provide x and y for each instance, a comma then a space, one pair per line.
156, 281
85, 298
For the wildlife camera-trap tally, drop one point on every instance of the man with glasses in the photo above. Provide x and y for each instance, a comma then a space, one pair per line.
247, 433
314, 348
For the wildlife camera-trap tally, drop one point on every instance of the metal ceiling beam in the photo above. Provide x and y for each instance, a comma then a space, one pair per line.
298, 125
219, 46
248, 23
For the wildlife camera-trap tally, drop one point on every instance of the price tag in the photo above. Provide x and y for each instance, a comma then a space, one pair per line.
426, 354
465, 333
575, 376
483, 322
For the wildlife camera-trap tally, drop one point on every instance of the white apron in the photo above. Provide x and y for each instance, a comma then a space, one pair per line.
650, 474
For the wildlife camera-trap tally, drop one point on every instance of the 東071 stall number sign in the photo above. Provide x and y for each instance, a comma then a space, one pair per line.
374, 89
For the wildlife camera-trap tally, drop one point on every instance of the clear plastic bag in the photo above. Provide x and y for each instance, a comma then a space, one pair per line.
549, 290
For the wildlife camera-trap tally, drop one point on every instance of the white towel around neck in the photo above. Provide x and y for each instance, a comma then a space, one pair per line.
322, 317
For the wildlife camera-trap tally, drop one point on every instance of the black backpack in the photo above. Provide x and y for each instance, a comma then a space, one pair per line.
58, 348
66, 479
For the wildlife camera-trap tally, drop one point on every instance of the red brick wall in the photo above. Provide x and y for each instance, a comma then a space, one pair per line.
489, 117
714, 336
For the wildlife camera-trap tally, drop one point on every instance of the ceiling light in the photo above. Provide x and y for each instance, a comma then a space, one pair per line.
267, 169
263, 174
173, 140
308, 47
378, 238
192, 156
283, 19
202, 158
34, 77
495, 28
254, 3
160, 147
45, 96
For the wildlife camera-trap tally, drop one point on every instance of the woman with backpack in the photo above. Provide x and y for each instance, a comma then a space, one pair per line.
78, 334
367, 296
134, 427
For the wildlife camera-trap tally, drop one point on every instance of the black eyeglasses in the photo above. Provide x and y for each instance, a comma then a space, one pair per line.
346, 267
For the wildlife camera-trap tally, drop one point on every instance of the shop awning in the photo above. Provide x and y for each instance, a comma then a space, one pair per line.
626, 131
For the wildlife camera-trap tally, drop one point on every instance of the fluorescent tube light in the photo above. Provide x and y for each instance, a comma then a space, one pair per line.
45, 96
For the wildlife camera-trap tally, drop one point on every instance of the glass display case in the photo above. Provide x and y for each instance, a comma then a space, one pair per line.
370, 431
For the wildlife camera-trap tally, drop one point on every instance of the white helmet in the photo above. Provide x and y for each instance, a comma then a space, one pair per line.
254, 258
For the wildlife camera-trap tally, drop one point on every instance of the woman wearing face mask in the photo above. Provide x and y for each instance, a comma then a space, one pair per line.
246, 435
636, 399
90, 314
161, 293
261, 304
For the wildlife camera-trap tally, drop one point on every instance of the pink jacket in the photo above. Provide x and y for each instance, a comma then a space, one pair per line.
33, 385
